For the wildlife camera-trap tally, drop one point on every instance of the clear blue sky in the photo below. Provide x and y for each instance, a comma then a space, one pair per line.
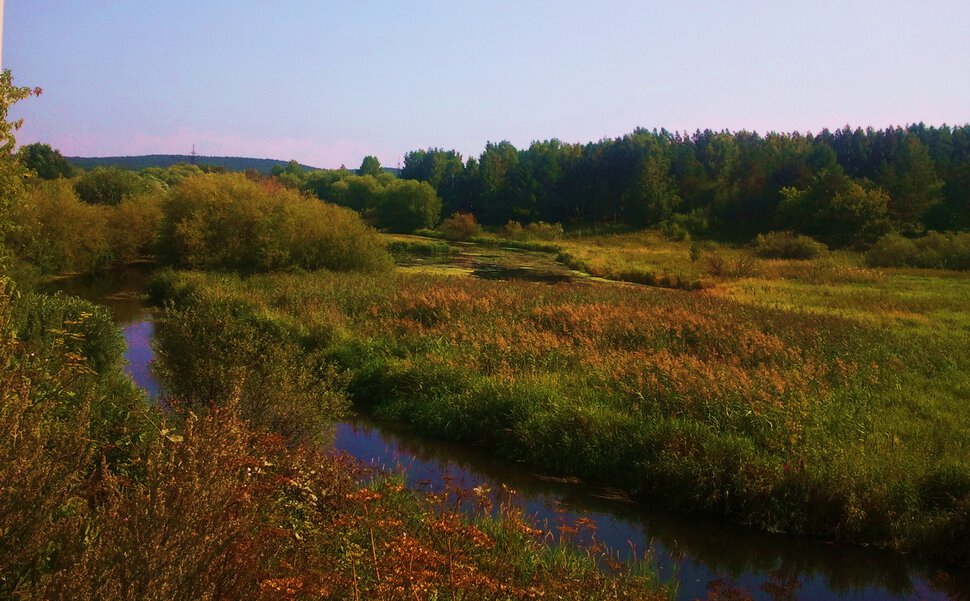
329, 82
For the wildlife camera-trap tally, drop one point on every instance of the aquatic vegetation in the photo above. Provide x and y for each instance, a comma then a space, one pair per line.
781, 404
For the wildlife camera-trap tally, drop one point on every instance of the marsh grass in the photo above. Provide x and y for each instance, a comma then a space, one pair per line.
400, 244
825, 410
105, 497
649, 258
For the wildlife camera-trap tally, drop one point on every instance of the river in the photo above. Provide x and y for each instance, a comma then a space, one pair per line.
693, 550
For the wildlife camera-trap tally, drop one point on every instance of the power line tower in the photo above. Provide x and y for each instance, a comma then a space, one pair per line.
192, 156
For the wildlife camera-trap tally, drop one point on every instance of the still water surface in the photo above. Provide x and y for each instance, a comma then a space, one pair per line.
694, 551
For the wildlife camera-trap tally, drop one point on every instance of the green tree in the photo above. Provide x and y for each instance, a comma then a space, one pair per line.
11, 171
836, 208
291, 176
228, 221
45, 161
111, 185
370, 166
357, 192
913, 184
407, 205
657, 197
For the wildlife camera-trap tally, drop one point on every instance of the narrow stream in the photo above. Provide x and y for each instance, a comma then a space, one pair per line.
696, 551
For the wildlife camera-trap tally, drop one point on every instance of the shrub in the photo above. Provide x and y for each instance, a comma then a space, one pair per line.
226, 221
681, 226
59, 233
243, 358
427, 248
719, 267
133, 227
933, 251
539, 230
787, 245
891, 251
460, 226
407, 205
111, 185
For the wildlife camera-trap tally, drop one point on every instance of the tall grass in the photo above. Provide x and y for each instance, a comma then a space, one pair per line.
814, 422
105, 497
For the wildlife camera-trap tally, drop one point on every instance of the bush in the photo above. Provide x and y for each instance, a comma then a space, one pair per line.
681, 226
226, 221
933, 251
426, 248
407, 205
133, 227
892, 251
243, 358
539, 230
460, 226
58, 233
719, 267
111, 185
787, 245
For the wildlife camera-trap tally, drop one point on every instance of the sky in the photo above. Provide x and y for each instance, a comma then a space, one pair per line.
327, 82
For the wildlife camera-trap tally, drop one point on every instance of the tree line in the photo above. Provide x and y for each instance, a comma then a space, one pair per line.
849, 187
845, 187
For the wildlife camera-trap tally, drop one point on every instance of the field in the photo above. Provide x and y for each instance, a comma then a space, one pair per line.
811, 397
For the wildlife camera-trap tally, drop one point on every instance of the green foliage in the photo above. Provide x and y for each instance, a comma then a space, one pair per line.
68, 414
72, 325
408, 205
787, 245
539, 230
933, 251
247, 359
45, 161
400, 206
657, 193
370, 166
291, 176
58, 233
682, 226
11, 172
912, 182
446, 173
429, 248
172, 175
836, 209
792, 419
111, 185
740, 184
358, 192
230, 222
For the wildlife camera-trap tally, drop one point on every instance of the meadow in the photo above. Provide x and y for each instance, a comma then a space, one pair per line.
819, 397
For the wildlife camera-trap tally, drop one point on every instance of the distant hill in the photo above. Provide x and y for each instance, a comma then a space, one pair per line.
167, 160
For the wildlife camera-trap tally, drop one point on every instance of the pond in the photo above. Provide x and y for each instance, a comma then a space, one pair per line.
695, 551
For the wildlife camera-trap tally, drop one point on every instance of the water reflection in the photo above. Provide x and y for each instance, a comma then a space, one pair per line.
695, 550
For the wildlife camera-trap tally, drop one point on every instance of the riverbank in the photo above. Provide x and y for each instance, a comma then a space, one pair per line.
787, 420
202, 503
689, 550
